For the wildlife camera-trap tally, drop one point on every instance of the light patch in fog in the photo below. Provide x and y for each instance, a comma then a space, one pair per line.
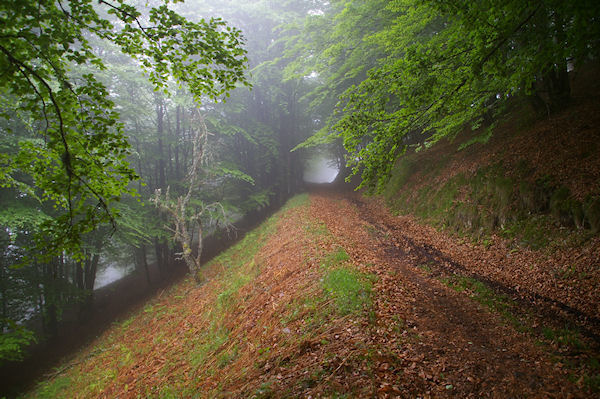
318, 170
111, 273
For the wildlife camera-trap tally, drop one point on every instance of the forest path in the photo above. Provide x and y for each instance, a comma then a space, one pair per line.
437, 340
334, 297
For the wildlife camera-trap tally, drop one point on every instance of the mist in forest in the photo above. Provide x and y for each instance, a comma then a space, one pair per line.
227, 160
111, 272
135, 135
320, 169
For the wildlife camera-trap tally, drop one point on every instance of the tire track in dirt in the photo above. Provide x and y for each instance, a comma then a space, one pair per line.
402, 246
460, 348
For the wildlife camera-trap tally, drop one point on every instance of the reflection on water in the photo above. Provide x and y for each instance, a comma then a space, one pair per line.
319, 170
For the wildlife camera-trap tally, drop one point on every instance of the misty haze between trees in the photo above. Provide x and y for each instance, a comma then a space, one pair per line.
130, 133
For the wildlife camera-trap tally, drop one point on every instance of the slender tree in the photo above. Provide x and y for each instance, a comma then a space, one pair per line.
187, 214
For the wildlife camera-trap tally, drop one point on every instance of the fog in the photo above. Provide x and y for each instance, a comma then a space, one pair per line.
110, 273
319, 169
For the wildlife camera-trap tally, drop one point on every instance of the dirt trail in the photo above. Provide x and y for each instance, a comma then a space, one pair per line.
436, 341
265, 325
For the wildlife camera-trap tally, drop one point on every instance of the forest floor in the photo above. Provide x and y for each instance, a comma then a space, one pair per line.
336, 297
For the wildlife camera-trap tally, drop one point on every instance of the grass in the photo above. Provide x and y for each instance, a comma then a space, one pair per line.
227, 357
157, 324
186, 337
213, 339
264, 391
235, 279
564, 337
349, 288
295, 202
54, 390
335, 258
344, 289
316, 229
481, 293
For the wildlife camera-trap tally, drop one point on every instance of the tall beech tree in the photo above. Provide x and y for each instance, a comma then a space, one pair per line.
188, 213
65, 153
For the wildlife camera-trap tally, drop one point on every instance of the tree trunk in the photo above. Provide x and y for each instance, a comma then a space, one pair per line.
3, 281
162, 184
90, 272
177, 137
553, 91
192, 261
79, 276
161, 249
139, 158
50, 301
142, 262
86, 278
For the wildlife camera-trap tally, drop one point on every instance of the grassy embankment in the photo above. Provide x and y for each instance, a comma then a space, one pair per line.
267, 303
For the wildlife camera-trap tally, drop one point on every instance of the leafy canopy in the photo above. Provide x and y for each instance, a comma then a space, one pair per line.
443, 65
71, 150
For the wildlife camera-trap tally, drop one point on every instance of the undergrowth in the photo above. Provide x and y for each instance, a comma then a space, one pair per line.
535, 212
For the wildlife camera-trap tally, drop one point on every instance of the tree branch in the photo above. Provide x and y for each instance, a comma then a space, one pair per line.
66, 159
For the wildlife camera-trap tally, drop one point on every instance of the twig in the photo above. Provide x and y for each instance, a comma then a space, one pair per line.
341, 364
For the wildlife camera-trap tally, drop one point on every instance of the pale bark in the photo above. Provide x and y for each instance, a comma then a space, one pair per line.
184, 219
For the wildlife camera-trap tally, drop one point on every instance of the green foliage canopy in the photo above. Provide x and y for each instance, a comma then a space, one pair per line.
72, 150
445, 65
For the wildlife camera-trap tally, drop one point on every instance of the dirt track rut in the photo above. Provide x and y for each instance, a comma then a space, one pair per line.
449, 344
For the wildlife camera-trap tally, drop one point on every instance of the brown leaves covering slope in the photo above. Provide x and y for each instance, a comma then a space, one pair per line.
446, 344
277, 334
565, 146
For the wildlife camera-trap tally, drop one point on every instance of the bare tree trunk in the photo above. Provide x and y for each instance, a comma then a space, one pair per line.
86, 278
160, 257
90, 273
160, 114
185, 219
142, 262
3, 280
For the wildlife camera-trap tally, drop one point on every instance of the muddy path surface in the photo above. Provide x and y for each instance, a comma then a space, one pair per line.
437, 341
400, 244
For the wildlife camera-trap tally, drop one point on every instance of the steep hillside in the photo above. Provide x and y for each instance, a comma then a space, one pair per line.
272, 306
535, 179
530, 196
332, 297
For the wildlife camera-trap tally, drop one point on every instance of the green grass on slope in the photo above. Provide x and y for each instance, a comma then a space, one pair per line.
129, 338
536, 212
349, 288
183, 338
